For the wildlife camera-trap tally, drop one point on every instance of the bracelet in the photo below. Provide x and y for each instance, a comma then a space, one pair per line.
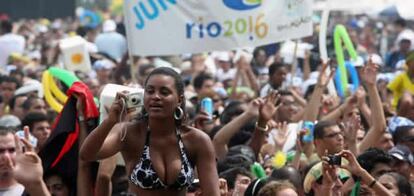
81, 118
262, 129
372, 183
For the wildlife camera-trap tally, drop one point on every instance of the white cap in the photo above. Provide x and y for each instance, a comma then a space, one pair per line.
109, 26
376, 59
103, 64
223, 56
30, 86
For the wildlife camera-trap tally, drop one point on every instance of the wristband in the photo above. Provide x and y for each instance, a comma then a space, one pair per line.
262, 129
81, 118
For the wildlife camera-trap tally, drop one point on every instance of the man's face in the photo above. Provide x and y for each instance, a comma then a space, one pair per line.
41, 130
278, 77
207, 86
408, 140
405, 46
7, 90
241, 184
287, 109
379, 169
261, 57
403, 168
103, 74
38, 105
333, 140
18, 110
56, 186
385, 142
7, 151
225, 65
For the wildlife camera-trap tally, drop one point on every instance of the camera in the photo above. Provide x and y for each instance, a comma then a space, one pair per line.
334, 159
134, 100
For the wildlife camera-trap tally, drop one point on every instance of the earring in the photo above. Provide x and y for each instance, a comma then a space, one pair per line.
178, 115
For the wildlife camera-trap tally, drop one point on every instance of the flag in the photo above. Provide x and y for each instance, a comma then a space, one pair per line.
61, 152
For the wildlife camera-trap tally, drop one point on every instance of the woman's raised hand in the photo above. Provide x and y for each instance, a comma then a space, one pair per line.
118, 107
268, 107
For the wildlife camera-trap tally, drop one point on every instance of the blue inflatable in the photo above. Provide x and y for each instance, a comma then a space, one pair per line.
343, 90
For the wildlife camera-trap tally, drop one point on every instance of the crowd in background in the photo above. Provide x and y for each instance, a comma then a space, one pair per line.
371, 129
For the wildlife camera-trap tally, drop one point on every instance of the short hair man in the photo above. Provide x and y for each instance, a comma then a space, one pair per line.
277, 75
375, 161
404, 135
16, 105
7, 87
238, 179
34, 104
8, 185
39, 127
403, 160
328, 137
203, 83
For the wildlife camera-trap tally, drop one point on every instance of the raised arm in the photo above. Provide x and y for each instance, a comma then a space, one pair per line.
312, 109
223, 136
377, 129
266, 111
104, 141
362, 174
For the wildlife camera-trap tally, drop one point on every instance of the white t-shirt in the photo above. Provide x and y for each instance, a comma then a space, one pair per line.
293, 129
15, 190
222, 76
10, 43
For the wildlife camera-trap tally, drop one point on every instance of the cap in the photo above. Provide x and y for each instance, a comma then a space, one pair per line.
10, 121
223, 56
108, 26
377, 59
103, 64
315, 173
402, 153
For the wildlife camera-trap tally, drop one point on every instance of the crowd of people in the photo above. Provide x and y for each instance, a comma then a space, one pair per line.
275, 127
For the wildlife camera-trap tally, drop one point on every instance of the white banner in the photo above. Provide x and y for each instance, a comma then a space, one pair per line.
165, 27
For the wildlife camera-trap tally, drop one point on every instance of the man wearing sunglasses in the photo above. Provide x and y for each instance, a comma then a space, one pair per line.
328, 138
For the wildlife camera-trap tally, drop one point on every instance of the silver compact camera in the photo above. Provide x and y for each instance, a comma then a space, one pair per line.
135, 100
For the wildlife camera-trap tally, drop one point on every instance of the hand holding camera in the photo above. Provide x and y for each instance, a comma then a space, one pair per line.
353, 165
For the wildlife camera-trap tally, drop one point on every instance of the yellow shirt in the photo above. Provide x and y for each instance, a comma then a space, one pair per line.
402, 83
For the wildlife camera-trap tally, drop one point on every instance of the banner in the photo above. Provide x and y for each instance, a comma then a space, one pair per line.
166, 27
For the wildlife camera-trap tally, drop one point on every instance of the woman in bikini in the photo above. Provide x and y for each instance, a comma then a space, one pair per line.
160, 151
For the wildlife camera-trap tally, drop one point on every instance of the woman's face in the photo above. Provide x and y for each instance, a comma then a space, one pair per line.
161, 97
390, 183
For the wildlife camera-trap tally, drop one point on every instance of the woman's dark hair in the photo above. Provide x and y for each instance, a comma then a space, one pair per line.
179, 86
402, 183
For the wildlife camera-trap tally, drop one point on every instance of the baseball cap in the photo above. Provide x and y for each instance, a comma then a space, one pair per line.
10, 121
376, 59
103, 64
402, 153
223, 56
